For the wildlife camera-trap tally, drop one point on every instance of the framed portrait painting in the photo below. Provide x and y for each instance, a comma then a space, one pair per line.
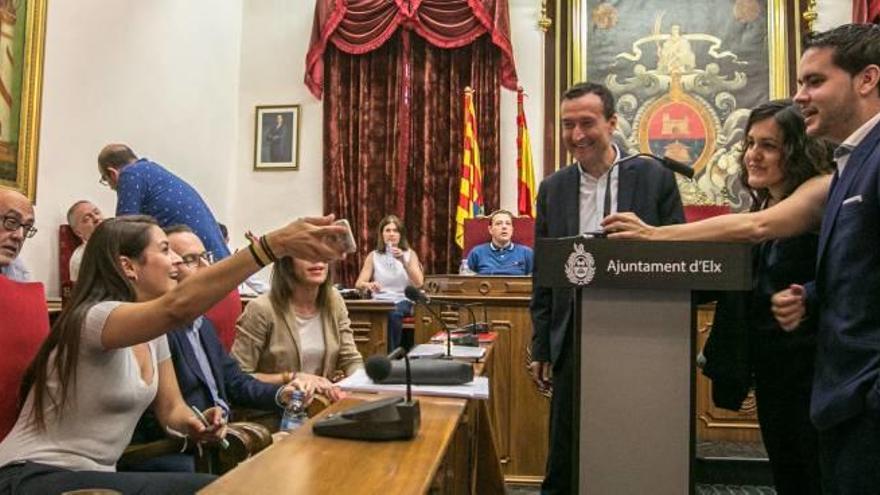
276, 145
22, 35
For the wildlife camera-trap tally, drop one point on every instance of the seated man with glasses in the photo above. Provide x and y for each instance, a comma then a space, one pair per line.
17, 215
206, 374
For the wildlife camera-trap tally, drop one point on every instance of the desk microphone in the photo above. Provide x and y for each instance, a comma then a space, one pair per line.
673, 165
425, 371
385, 419
420, 297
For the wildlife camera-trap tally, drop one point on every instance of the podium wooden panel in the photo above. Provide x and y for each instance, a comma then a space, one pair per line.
369, 324
714, 423
519, 412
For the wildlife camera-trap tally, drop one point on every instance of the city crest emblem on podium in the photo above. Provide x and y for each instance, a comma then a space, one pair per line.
580, 267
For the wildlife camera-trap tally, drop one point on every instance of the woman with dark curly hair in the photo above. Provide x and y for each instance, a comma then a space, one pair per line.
747, 346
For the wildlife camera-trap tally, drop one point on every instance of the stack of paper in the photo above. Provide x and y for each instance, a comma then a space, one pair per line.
463, 352
360, 382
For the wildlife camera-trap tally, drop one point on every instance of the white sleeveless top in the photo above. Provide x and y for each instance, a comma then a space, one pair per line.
391, 275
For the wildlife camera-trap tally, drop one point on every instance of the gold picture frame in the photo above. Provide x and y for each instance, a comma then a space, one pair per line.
276, 137
22, 34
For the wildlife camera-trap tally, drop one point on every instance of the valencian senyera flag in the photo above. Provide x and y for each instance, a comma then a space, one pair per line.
525, 169
470, 193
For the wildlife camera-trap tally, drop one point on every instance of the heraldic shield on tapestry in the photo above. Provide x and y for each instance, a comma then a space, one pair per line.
685, 75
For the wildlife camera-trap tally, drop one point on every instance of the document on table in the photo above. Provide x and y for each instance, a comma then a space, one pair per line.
360, 382
462, 352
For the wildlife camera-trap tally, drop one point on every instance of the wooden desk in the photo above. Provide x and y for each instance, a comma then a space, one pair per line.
369, 323
519, 412
305, 463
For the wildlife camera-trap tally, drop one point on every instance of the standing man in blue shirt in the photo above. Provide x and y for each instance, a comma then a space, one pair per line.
145, 187
501, 256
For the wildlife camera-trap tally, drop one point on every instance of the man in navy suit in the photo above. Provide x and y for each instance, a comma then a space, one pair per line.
839, 95
574, 200
207, 375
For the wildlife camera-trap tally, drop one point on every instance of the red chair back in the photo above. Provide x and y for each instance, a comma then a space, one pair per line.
67, 244
476, 232
23, 328
693, 213
223, 315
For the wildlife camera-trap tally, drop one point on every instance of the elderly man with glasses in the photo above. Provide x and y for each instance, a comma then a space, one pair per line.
206, 373
17, 216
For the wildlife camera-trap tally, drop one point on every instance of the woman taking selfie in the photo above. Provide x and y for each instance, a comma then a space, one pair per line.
106, 359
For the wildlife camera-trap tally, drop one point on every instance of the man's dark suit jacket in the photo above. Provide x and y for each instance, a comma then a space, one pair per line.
848, 291
234, 386
644, 188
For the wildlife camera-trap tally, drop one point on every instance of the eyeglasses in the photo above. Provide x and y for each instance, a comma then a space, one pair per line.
104, 181
193, 260
12, 224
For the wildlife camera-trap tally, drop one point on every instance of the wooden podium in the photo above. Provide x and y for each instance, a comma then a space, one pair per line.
635, 353
518, 411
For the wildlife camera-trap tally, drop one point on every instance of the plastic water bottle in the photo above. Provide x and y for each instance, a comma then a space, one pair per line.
294, 414
463, 268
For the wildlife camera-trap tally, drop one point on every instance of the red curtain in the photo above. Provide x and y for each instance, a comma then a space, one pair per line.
393, 113
866, 11
361, 26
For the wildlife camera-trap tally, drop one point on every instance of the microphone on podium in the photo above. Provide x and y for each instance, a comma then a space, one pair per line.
393, 418
673, 165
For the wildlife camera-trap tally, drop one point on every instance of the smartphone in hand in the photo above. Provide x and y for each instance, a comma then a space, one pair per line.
345, 240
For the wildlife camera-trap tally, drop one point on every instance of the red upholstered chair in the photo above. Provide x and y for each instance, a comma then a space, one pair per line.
476, 232
223, 315
23, 328
693, 213
67, 243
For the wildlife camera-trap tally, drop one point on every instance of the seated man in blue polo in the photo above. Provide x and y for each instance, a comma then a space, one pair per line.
501, 256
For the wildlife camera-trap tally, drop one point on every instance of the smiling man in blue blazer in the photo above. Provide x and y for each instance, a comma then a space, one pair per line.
840, 98
574, 200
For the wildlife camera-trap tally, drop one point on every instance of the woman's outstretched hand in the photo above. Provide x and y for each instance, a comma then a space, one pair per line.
627, 225
310, 238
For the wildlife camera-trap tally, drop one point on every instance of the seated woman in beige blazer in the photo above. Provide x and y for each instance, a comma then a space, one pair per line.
299, 329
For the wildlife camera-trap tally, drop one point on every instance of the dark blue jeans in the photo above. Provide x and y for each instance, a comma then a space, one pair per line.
32, 477
401, 310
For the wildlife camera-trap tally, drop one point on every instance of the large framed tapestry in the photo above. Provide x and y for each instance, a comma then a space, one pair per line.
22, 35
685, 75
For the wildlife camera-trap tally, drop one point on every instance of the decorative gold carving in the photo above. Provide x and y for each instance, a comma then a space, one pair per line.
811, 15
544, 22
485, 287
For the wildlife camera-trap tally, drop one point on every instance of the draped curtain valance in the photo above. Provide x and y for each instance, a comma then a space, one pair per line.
361, 26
